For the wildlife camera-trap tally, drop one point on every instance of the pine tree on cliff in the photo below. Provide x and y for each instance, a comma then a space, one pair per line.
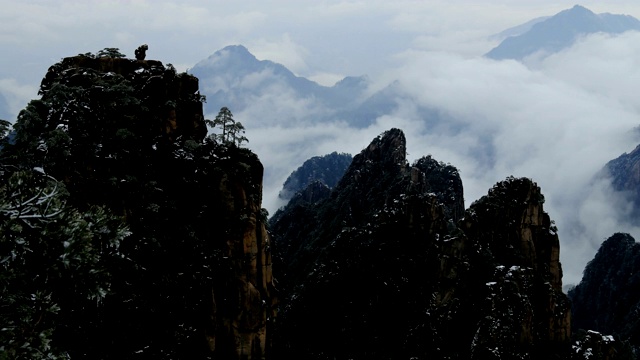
232, 131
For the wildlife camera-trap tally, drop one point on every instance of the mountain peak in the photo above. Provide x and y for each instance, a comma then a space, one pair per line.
576, 12
235, 52
234, 78
561, 31
579, 8
237, 49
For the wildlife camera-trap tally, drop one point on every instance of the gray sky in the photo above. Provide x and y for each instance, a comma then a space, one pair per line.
323, 40
557, 121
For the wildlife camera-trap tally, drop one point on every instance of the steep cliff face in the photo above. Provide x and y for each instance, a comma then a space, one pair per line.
525, 314
417, 276
625, 178
370, 243
327, 169
607, 299
243, 295
173, 99
194, 279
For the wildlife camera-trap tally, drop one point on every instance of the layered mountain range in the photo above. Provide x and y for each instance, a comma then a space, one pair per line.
233, 77
128, 233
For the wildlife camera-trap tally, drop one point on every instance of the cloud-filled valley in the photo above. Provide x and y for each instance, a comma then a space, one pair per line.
558, 121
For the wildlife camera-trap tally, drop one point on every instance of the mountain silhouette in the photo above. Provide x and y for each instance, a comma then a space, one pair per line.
561, 31
233, 77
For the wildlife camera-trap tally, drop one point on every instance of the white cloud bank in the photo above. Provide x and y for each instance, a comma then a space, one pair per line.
558, 124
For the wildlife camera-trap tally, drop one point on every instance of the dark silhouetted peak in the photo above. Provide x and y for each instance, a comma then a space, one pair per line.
192, 276
615, 247
525, 312
372, 242
514, 209
174, 98
408, 277
387, 152
314, 192
444, 181
608, 297
327, 169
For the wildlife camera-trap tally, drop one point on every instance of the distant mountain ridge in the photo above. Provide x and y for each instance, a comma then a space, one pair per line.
518, 29
561, 31
234, 77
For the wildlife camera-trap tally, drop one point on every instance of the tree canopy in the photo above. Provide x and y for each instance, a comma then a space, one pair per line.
110, 52
232, 132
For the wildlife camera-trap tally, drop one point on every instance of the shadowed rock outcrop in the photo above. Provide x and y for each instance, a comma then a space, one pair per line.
525, 313
327, 170
607, 299
417, 276
624, 172
173, 98
195, 278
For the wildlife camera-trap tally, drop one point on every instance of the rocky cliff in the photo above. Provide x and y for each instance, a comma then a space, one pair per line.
607, 299
417, 276
525, 313
327, 169
625, 178
194, 278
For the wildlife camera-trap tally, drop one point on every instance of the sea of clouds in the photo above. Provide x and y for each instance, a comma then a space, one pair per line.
556, 119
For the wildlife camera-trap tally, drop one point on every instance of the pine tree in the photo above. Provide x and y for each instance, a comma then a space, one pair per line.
54, 263
232, 131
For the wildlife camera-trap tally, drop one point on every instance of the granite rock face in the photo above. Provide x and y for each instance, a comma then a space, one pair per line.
525, 314
624, 172
417, 276
327, 170
195, 279
243, 297
174, 98
607, 300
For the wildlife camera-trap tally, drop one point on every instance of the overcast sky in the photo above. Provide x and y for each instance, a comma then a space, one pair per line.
318, 39
557, 122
